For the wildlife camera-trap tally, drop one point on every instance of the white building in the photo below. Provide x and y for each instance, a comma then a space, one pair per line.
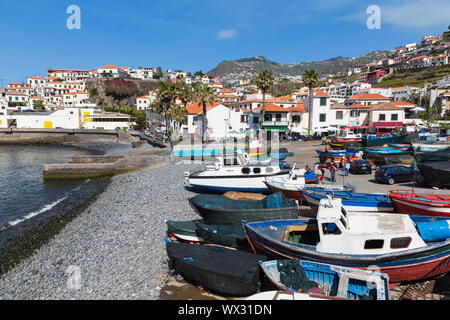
112, 71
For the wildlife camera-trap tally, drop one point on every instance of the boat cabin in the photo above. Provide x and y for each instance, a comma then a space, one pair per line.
362, 233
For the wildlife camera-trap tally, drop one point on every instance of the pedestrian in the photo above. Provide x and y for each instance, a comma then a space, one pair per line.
347, 168
333, 172
322, 176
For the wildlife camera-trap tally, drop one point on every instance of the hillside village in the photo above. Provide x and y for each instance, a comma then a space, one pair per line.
61, 98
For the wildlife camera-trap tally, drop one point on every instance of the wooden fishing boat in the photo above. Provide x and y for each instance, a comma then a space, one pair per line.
429, 146
243, 195
400, 139
183, 230
407, 248
436, 174
399, 146
347, 136
228, 272
343, 145
216, 209
420, 204
388, 152
332, 281
292, 188
340, 153
232, 235
286, 295
353, 202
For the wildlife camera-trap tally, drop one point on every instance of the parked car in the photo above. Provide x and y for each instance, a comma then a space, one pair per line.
396, 173
360, 166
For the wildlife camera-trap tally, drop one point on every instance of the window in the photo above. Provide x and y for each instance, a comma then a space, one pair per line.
394, 117
323, 101
339, 115
354, 113
400, 243
374, 244
296, 119
330, 228
278, 117
267, 117
257, 170
323, 117
243, 118
382, 117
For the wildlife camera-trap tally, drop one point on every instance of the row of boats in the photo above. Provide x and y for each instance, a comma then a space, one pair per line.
357, 247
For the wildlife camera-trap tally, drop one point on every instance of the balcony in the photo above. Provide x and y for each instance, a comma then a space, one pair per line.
282, 123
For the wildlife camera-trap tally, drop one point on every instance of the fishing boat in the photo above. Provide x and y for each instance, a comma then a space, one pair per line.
232, 235
353, 202
340, 153
331, 280
184, 231
348, 136
399, 146
216, 209
420, 204
235, 174
344, 145
399, 139
436, 174
407, 248
429, 146
285, 295
388, 152
224, 271
291, 188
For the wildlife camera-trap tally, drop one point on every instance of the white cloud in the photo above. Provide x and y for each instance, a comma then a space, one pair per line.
227, 34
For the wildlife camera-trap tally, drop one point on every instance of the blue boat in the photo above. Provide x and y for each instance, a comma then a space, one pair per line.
335, 153
353, 202
330, 280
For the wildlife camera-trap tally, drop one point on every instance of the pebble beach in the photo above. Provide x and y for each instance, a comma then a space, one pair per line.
114, 248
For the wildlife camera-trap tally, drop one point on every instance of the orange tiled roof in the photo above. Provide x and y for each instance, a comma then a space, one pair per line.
368, 96
402, 103
270, 107
109, 66
196, 108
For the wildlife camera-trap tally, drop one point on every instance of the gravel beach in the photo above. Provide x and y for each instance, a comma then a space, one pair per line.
114, 249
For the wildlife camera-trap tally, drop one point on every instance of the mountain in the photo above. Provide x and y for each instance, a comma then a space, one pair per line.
250, 66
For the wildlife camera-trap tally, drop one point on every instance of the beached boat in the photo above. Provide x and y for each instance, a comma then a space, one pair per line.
436, 174
399, 139
420, 204
353, 202
285, 295
340, 153
240, 174
228, 272
348, 136
183, 230
216, 209
388, 152
198, 232
331, 280
291, 188
429, 146
407, 248
344, 145
399, 146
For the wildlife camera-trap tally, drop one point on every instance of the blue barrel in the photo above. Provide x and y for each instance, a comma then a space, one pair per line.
434, 231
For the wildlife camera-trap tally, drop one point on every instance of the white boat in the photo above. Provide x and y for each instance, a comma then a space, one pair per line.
237, 174
284, 295
429, 146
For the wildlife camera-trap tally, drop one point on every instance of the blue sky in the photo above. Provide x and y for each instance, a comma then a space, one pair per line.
198, 34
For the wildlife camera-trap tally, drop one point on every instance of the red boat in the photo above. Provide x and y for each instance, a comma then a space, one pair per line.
418, 204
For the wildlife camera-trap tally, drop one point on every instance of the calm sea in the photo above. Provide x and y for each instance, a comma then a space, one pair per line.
25, 199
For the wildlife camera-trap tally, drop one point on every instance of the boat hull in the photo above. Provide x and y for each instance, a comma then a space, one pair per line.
412, 205
401, 139
313, 202
418, 265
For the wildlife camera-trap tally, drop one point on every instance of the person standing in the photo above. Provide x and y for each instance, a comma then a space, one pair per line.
333, 173
347, 168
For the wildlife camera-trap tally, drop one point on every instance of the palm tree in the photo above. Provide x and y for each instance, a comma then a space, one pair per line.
204, 96
264, 81
166, 96
186, 95
310, 79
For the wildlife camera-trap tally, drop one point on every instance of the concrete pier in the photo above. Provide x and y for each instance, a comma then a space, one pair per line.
83, 167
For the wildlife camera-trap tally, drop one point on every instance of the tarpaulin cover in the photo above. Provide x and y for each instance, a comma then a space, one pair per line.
224, 271
217, 209
433, 156
436, 174
293, 276
226, 235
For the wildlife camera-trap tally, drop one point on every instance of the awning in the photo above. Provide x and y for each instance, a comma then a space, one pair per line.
387, 125
360, 127
279, 128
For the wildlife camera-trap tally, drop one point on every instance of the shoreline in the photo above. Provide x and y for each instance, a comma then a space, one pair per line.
116, 241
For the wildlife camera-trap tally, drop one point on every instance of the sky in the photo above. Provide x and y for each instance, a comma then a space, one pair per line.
194, 35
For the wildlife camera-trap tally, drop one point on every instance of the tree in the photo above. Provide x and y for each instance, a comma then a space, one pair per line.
264, 81
165, 98
204, 96
38, 105
141, 120
310, 79
159, 73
